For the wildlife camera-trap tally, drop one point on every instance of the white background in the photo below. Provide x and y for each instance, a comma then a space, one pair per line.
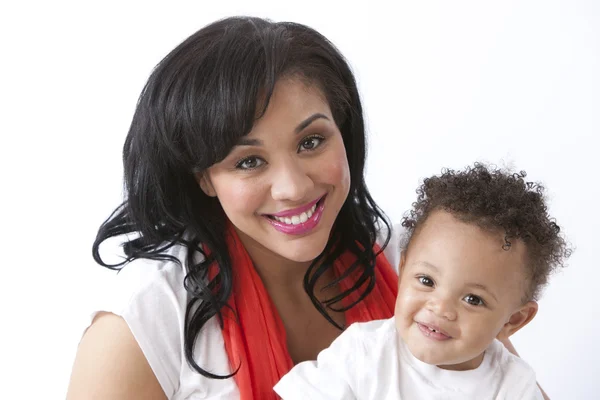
444, 84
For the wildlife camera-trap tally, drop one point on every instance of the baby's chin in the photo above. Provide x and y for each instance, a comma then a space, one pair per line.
430, 357
452, 364
467, 365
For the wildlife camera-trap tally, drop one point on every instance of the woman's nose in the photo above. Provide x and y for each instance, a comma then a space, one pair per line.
291, 181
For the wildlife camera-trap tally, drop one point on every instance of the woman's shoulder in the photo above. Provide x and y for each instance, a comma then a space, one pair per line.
142, 282
145, 274
393, 250
149, 294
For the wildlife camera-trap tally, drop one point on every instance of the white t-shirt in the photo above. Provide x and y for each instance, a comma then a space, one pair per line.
150, 297
368, 361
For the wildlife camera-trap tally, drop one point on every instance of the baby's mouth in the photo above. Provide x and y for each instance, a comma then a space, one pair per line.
433, 332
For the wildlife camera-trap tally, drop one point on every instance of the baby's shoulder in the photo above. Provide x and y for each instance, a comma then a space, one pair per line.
371, 337
510, 366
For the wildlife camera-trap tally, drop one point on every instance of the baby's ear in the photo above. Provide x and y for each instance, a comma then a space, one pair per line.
519, 319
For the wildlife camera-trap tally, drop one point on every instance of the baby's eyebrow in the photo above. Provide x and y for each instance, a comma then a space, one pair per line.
427, 265
482, 287
475, 285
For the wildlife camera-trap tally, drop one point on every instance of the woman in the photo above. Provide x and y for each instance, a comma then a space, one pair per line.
250, 233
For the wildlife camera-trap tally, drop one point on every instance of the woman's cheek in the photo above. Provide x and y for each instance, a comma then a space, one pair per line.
240, 195
335, 171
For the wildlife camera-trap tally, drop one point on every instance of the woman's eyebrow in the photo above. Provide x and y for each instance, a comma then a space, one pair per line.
302, 125
246, 141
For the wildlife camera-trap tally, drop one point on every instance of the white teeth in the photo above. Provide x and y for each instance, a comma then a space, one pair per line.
303, 217
297, 219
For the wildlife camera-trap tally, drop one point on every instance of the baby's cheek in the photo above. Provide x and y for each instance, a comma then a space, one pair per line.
408, 302
402, 305
404, 314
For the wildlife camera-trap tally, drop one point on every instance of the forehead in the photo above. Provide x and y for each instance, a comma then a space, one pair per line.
464, 248
292, 101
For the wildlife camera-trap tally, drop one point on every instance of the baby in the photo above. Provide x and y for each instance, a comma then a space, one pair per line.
480, 246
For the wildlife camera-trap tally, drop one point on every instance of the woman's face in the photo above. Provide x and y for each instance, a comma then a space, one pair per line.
283, 185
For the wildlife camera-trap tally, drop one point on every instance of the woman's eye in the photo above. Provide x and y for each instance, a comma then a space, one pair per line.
426, 281
249, 163
474, 300
311, 143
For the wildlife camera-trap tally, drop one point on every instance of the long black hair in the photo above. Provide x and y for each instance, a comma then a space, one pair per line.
199, 100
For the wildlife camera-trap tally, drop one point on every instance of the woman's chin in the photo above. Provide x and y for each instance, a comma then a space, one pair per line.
303, 252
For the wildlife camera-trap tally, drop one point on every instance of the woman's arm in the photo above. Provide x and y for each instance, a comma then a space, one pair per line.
509, 346
110, 365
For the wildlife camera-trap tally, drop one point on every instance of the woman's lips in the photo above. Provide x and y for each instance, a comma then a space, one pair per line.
301, 227
296, 211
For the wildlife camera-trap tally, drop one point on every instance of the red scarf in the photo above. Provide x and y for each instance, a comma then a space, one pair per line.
258, 337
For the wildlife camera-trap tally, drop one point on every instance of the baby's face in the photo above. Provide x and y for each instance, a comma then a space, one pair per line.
458, 289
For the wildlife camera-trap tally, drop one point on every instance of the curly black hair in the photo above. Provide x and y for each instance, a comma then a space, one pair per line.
496, 200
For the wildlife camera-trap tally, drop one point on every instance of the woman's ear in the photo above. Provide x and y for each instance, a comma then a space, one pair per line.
519, 319
205, 184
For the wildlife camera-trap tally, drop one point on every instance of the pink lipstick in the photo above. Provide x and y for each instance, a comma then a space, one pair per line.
298, 228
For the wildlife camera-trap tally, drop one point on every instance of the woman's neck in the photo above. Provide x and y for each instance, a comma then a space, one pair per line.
279, 274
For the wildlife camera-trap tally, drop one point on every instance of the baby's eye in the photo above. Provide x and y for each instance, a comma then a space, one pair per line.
249, 163
426, 281
473, 300
311, 143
